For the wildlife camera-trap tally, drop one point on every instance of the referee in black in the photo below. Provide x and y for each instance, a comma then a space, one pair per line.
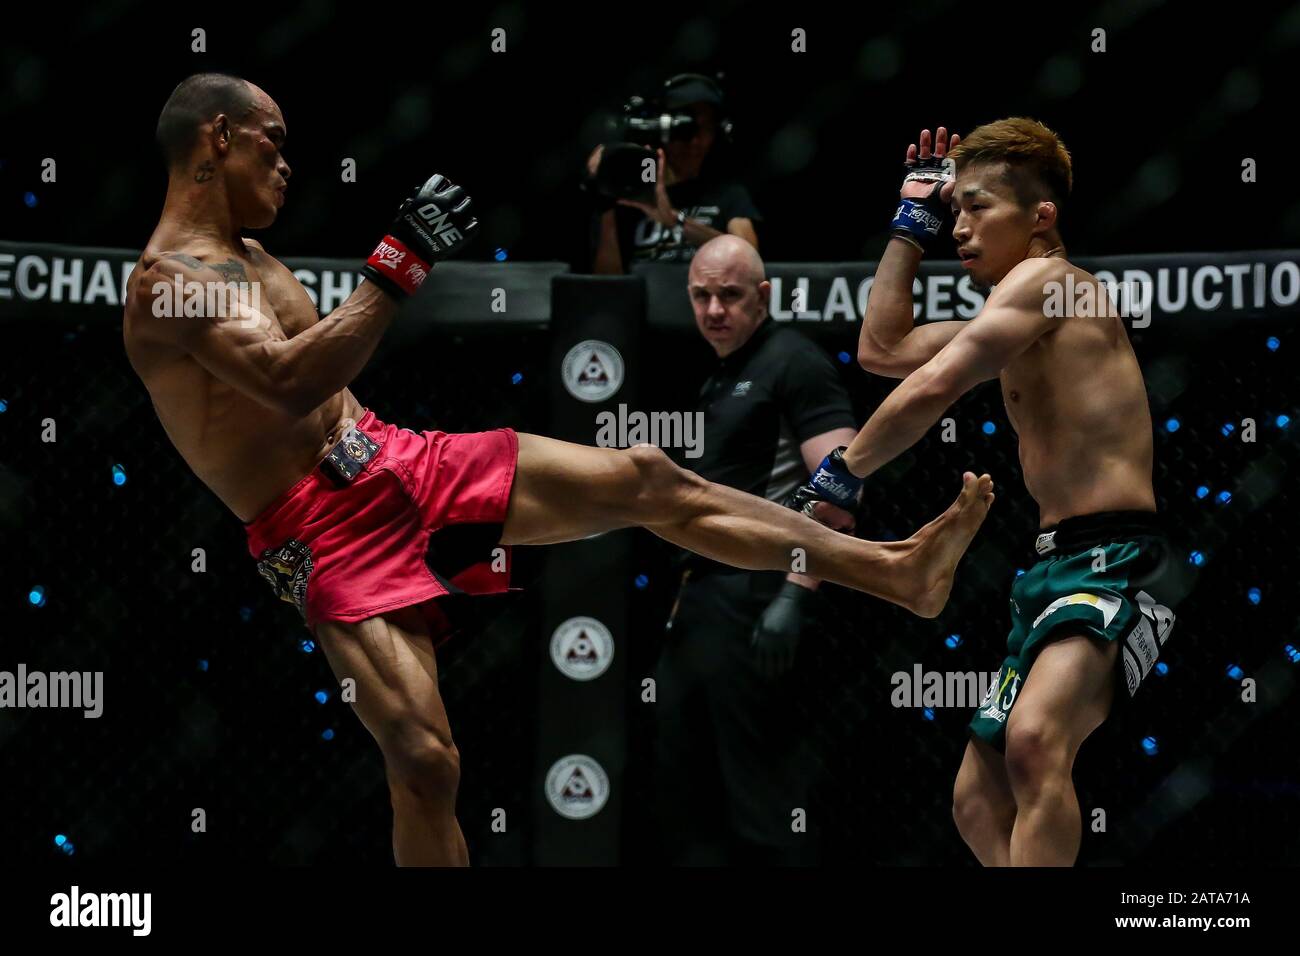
731, 770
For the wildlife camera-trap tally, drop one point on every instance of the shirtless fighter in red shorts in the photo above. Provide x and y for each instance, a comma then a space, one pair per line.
365, 526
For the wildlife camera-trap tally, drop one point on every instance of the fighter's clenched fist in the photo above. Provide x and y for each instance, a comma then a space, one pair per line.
433, 224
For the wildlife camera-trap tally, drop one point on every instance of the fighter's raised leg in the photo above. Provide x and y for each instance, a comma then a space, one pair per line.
564, 491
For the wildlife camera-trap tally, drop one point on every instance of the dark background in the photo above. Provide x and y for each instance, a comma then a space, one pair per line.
1158, 126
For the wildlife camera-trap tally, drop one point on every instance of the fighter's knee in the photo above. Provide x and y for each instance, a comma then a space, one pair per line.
660, 481
971, 811
423, 761
963, 807
1034, 753
650, 462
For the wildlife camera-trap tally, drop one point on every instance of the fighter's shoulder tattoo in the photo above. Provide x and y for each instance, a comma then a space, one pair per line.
184, 259
205, 171
232, 270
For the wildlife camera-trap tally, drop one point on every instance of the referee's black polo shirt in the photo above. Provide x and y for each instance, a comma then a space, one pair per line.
761, 402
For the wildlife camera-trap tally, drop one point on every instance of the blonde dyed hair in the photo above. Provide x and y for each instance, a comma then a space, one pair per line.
1038, 164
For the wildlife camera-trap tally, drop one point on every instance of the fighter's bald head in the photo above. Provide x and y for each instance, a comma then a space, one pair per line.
731, 256
195, 101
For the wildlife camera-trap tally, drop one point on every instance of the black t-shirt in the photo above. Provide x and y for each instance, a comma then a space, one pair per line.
760, 404
713, 202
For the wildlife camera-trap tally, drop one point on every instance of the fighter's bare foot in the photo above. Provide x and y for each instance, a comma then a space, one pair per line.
939, 546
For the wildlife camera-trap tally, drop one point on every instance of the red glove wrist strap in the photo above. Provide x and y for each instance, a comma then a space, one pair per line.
394, 259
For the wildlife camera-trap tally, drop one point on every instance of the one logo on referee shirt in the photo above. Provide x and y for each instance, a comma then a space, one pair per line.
577, 787
582, 648
592, 371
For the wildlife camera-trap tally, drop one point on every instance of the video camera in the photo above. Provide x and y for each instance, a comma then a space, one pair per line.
650, 123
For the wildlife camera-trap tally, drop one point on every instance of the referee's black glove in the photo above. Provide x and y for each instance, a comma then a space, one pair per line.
776, 635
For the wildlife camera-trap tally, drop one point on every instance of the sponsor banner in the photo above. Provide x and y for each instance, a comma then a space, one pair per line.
80, 283
829, 296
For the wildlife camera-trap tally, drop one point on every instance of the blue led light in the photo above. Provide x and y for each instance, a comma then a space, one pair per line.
36, 596
327, 733
1292, 653
516, 378
1172, 425
1162, 668
1019, 571
306, 646
845, 358
641, 581
1254, 596
1281, 421
1234, 672
119, 475
1202, 492
1273, 343
68, 848
1196, 558
1227, 429
1150, 746
203, 666
4, 406
928, 713
953, 640
500, 255
1223, 497
29, 199
321, 696
60, 839
988, 428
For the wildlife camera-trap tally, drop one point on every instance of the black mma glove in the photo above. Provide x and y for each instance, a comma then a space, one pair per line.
431, 225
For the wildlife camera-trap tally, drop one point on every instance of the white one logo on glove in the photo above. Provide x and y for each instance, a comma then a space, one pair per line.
437, 220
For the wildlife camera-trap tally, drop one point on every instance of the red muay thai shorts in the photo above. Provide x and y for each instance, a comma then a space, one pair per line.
391, 518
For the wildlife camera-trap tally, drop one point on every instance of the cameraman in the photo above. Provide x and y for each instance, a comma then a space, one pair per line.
690, 205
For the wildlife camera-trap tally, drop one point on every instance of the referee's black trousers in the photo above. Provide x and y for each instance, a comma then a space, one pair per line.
733, 772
